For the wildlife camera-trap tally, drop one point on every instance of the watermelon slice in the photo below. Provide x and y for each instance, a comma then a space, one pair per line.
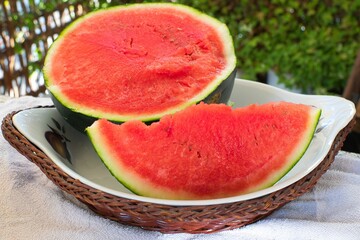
206, 151
139, 61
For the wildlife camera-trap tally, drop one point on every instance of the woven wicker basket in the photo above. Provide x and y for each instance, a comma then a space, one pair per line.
165, 218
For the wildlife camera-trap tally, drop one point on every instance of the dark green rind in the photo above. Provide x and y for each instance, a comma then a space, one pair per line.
222, 93
80, 121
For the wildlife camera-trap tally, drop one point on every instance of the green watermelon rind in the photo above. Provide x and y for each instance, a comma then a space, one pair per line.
105, 155
300, 151
220, 27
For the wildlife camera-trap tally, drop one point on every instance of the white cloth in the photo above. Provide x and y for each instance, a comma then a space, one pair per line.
32, 207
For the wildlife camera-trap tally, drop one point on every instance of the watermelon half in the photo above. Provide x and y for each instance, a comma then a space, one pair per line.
139, 61
206, 151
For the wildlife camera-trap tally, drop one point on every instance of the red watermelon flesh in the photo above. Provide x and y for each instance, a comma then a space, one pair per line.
139, 60
206, 151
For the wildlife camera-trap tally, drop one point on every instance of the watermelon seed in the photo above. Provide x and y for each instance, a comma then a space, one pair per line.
256, 140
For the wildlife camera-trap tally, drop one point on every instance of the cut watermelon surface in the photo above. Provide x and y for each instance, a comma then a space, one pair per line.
138, 61
206, 151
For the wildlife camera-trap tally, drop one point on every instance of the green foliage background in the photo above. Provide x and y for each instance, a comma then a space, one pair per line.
311, 45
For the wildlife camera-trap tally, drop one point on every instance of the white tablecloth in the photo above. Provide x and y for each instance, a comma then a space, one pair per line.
32, 207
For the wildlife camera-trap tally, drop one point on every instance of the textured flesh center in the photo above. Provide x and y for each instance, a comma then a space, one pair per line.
137, 61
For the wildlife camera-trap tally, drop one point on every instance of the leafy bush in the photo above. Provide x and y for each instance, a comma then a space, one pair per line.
311, 45
314, 41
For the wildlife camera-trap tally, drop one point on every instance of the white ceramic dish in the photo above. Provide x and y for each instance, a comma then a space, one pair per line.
85, 165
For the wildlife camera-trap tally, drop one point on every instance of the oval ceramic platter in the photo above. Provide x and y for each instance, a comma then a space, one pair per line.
73, 153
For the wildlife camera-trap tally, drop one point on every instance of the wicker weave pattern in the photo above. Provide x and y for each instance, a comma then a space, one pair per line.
27, 30
164, 218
